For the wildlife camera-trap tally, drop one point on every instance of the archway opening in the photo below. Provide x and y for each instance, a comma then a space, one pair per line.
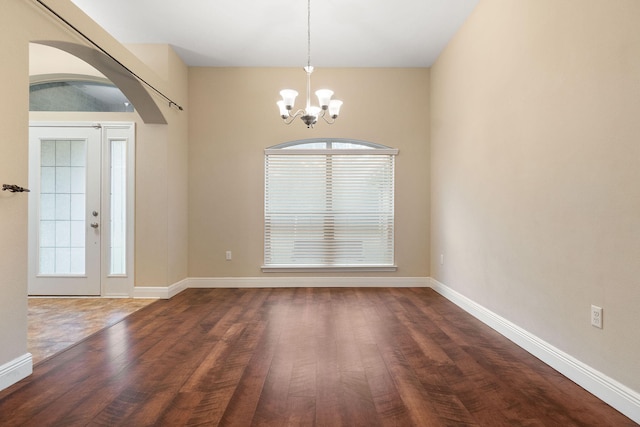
95, 63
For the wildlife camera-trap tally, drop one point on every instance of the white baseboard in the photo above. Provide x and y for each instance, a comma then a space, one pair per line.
160, 292
617, 395
15, 370
307, 282
166, 292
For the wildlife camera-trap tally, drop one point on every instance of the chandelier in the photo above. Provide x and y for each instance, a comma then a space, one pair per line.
311, 113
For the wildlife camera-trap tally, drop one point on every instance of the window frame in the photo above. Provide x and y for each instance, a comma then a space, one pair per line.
297, 148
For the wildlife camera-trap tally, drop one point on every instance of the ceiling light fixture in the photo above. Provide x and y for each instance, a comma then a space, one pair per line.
311, 113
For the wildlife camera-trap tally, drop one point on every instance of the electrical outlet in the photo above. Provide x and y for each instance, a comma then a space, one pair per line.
596, 316
228, 255
441, 259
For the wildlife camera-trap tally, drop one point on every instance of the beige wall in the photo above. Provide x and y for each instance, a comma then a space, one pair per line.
13, 170
161, 160
233, 118
536, 171
162, 179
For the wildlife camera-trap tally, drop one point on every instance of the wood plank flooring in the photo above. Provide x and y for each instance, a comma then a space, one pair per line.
58, 323
305, 357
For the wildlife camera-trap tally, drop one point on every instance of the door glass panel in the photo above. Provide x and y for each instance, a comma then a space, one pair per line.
62, 207
118, 203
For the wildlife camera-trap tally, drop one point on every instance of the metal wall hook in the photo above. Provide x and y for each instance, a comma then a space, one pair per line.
14, 188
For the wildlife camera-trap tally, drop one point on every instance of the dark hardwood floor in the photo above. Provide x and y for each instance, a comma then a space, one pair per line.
276, 357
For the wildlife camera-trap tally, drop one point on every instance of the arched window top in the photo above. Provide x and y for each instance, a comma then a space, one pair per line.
76, 93
333, 145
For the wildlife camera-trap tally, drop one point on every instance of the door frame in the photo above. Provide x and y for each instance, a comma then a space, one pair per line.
111, 285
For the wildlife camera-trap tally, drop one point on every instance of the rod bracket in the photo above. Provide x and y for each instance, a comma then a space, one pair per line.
14, 188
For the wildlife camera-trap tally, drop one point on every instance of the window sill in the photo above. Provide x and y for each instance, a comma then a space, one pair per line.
327, 269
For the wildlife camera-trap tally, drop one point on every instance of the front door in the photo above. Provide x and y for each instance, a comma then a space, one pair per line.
79, 209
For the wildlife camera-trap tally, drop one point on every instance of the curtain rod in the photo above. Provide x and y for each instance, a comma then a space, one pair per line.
101, 49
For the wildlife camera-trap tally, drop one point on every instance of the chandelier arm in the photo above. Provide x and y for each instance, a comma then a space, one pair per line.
324, 117
292, 117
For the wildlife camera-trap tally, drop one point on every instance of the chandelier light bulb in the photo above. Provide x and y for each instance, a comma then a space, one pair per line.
314, 111
334, 108
324, 97
284, 111
289, 97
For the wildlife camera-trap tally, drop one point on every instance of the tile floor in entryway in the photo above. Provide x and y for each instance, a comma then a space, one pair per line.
58, 323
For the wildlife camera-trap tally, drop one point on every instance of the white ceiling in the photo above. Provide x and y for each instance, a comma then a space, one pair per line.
273, 33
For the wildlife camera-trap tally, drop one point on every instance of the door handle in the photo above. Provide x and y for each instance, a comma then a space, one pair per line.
94, 224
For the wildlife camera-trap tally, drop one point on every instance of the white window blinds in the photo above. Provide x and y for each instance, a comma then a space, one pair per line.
329, 207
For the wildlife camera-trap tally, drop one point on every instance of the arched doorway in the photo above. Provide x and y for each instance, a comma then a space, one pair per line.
81, 174
118, 75
88, 95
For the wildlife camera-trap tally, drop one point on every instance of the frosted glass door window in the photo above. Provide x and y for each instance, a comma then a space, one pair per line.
62, 207
118, 203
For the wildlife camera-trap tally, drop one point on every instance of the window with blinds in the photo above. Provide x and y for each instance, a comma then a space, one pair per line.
329, 204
